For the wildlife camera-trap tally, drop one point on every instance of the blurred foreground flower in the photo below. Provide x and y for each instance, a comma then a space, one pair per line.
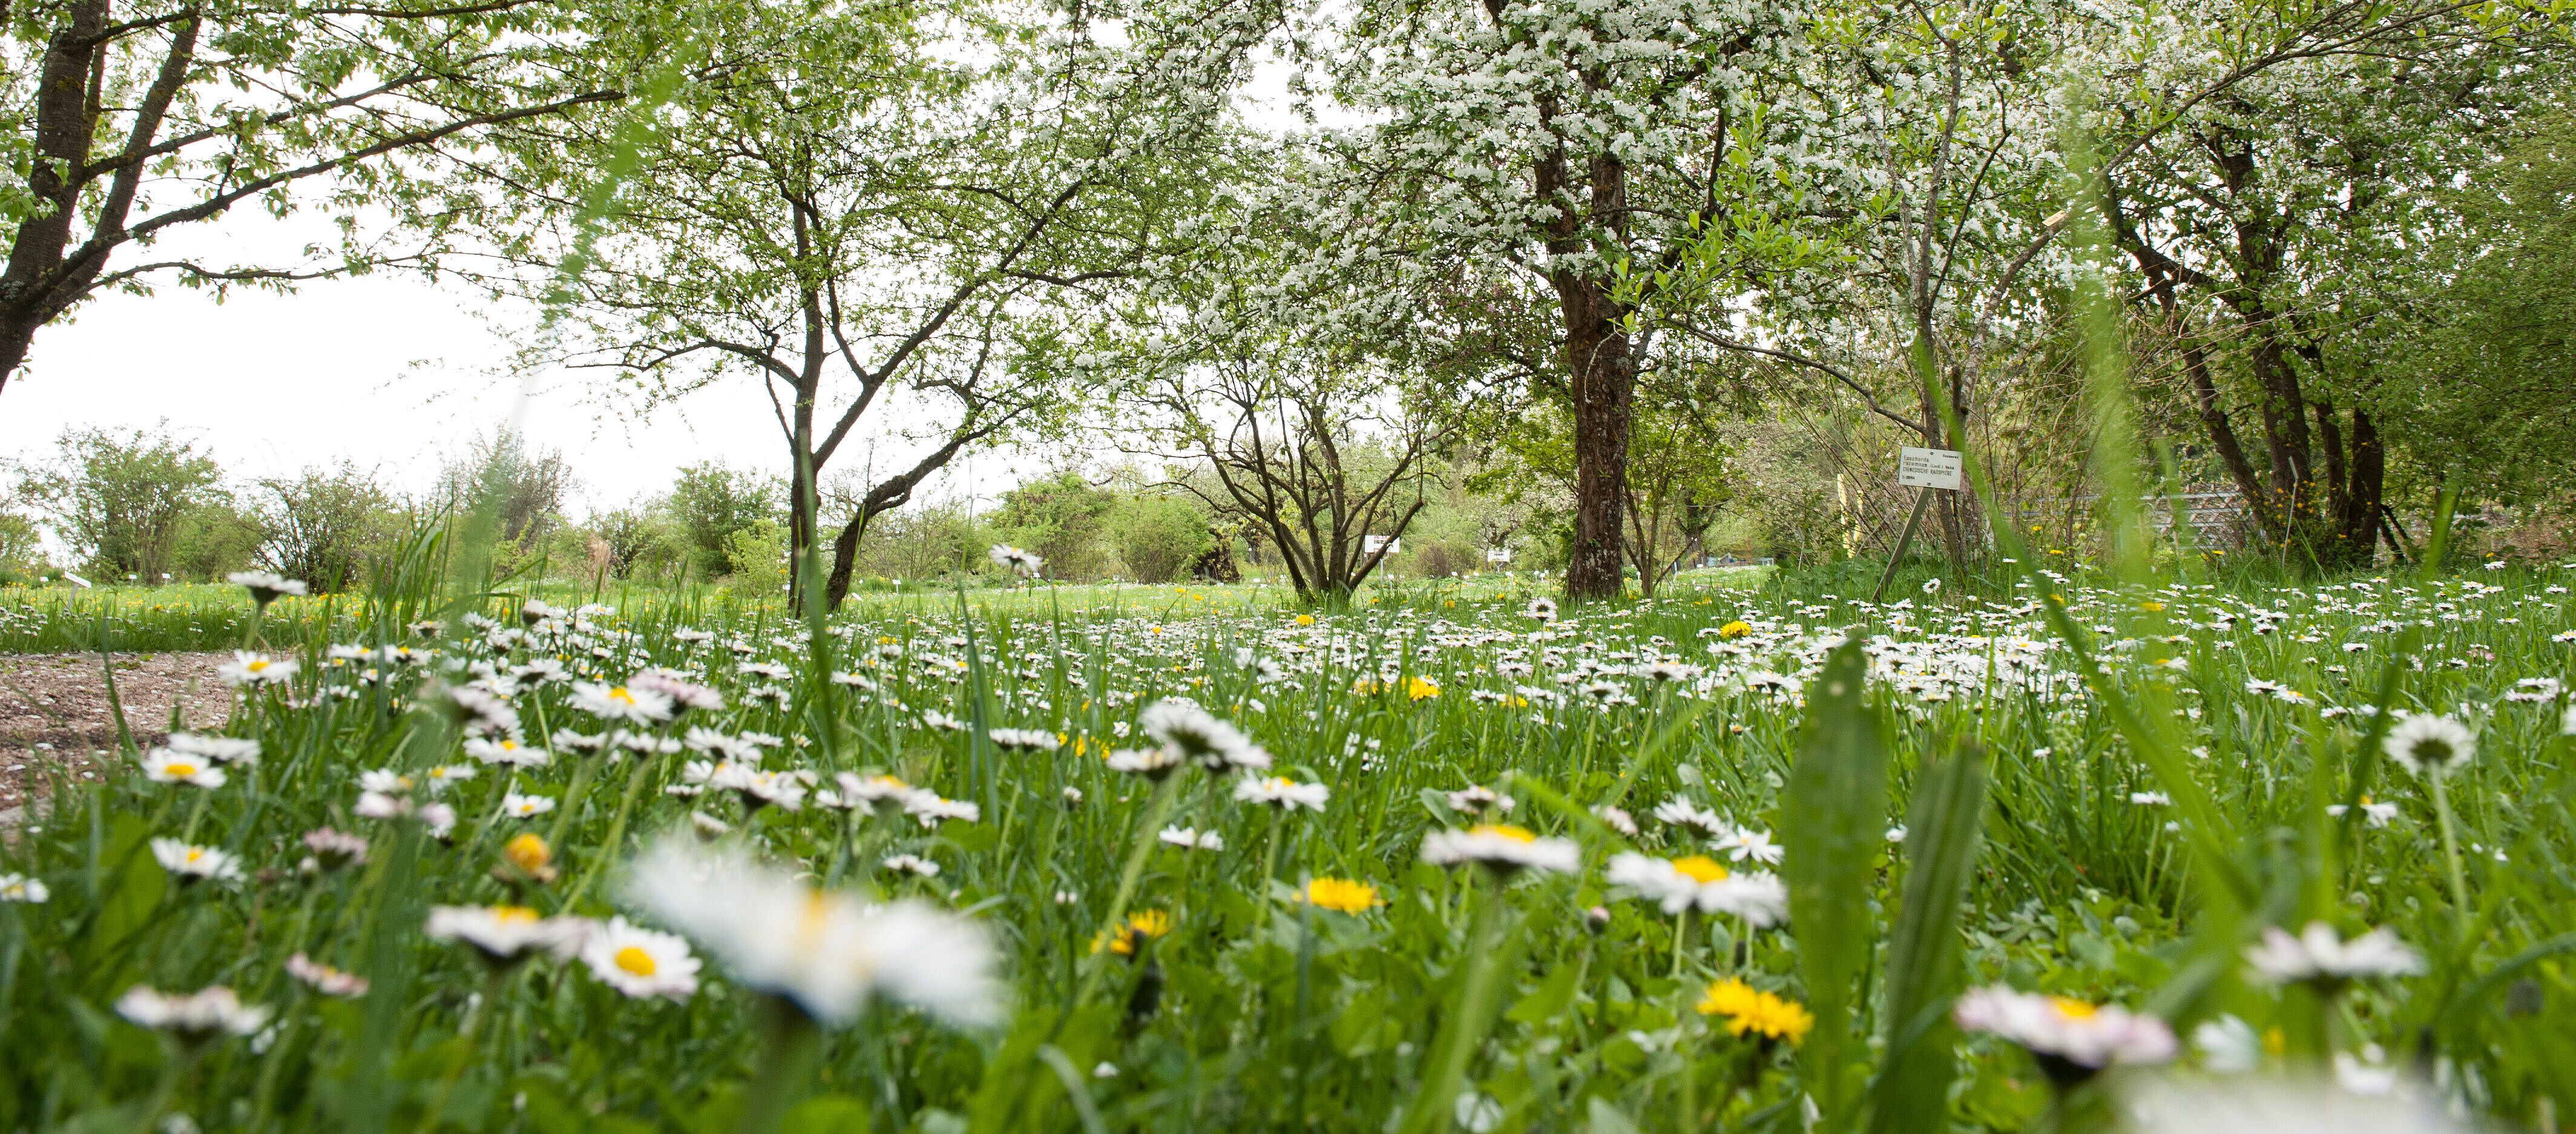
1500, 847
192, 1017
2072, 1039
826, 952
2321, 955
1760, 1013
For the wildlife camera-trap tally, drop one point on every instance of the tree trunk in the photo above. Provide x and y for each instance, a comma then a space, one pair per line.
66, 130
1602, 377
2368, 466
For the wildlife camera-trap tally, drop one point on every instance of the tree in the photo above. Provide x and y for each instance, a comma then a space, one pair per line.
321, 526
134, 120
119, 500
1157, 535
882, 215
1553, 152
713, 503
1060, 517
524, 488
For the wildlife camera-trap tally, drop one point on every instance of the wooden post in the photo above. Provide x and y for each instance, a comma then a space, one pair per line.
1922, 500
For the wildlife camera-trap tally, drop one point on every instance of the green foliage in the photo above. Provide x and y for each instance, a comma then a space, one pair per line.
711, 503
1833, 814
1158, 536
1063, 519
758, 553
326, 525
122, 500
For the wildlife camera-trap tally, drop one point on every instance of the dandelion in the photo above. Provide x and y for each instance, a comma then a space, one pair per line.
1748, 1011
248, 670
267, 586
639, 962
826, 952
194, 1017
623, 703
163, 766
1281, 792
2430, 746
196, 863
2072, 1039
2319, 954
324, 979
1502, 848
1341, 895
529, 853
1141, 926
504, 935
1736, 629
22, 889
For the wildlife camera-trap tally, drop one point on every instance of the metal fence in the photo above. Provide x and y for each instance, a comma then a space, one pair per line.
2216, 514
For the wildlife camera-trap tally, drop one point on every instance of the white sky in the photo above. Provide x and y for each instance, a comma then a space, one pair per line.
394, 373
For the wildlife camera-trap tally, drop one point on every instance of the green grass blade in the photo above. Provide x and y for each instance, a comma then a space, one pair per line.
1833, 819
1943, 831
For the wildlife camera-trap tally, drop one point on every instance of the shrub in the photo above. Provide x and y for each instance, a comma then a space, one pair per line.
324, 525
711, 502
1158, 535
120, 500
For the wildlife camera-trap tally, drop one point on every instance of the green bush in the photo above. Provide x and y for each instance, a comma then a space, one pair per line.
1158, 535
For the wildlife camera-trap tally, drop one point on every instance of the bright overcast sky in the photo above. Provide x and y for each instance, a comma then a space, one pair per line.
392, 372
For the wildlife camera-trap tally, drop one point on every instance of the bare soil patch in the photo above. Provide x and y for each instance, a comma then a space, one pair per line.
53, 711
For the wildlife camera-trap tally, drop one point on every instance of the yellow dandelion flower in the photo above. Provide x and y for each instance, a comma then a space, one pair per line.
1340, 894
1735, 629
1421, 688
1142, 926
1305, 620
528, 852
1760, 1013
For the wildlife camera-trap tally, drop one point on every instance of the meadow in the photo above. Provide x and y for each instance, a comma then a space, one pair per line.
1753, 855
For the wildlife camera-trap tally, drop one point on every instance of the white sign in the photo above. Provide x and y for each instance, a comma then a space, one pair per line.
1498, 555
1369, 545
1927, 468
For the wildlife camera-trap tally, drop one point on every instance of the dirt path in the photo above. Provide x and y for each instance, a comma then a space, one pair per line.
53, 710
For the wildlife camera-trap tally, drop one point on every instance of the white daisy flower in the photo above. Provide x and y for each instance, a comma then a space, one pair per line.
267, 586
195, 1016
2430, 745
1151, 763
505, 934
621, 703
189, 861
2318, 953
828, 952
1281, 792
518, 806
324, 979
1184, 727
1698, 882
20, 888
220, 749
1542, 608
1683, 813
507, 752
1502, 848
1031, 739
248, 670
640, 962
1477, 799
1616, 819
911, 864
928, 807
163, 766
2088, 1036
1745, 843
1191, 838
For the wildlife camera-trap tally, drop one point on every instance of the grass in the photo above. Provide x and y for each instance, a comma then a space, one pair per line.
1553, 1002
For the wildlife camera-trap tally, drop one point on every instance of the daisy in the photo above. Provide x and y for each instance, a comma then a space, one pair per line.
446, 776
1616, 819
858, 681
1191, 838
163, 766
507, 752
1188, 729
928, 807
324, 979
220, 749
621, 703
1026, 563
1745, 843
1542, 608
1502, 848
911, 864
195, 1017
2373, 814
504, 935
1031, 739
250, 670
20, 888
2429, 745
862, 791
2073, 1039
1281, 792
1151, 763
192, 862
1682, 813
333, 849
685, 695
267, 586
1479, 800
640, 962
2321, 955
478, 711
1698, 882
827, 952
518, 806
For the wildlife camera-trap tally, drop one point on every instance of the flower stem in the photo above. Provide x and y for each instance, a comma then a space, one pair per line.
788, 1044
616, 832
1464, 1031
2451, 852
1165, 794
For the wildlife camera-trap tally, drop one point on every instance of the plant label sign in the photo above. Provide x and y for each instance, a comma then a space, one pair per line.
1927, 468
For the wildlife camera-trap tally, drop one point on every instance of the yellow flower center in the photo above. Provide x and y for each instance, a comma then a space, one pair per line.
514, 915
2073, 1009
635, 960
1700, 868
195, 853
620, 694
256, 666
180, 769
1506, 830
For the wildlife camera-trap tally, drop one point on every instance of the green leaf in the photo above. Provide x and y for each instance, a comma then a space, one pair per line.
826, 1114
1551, 998
1942, 834
135, 889
1832, 821
1602, 1118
